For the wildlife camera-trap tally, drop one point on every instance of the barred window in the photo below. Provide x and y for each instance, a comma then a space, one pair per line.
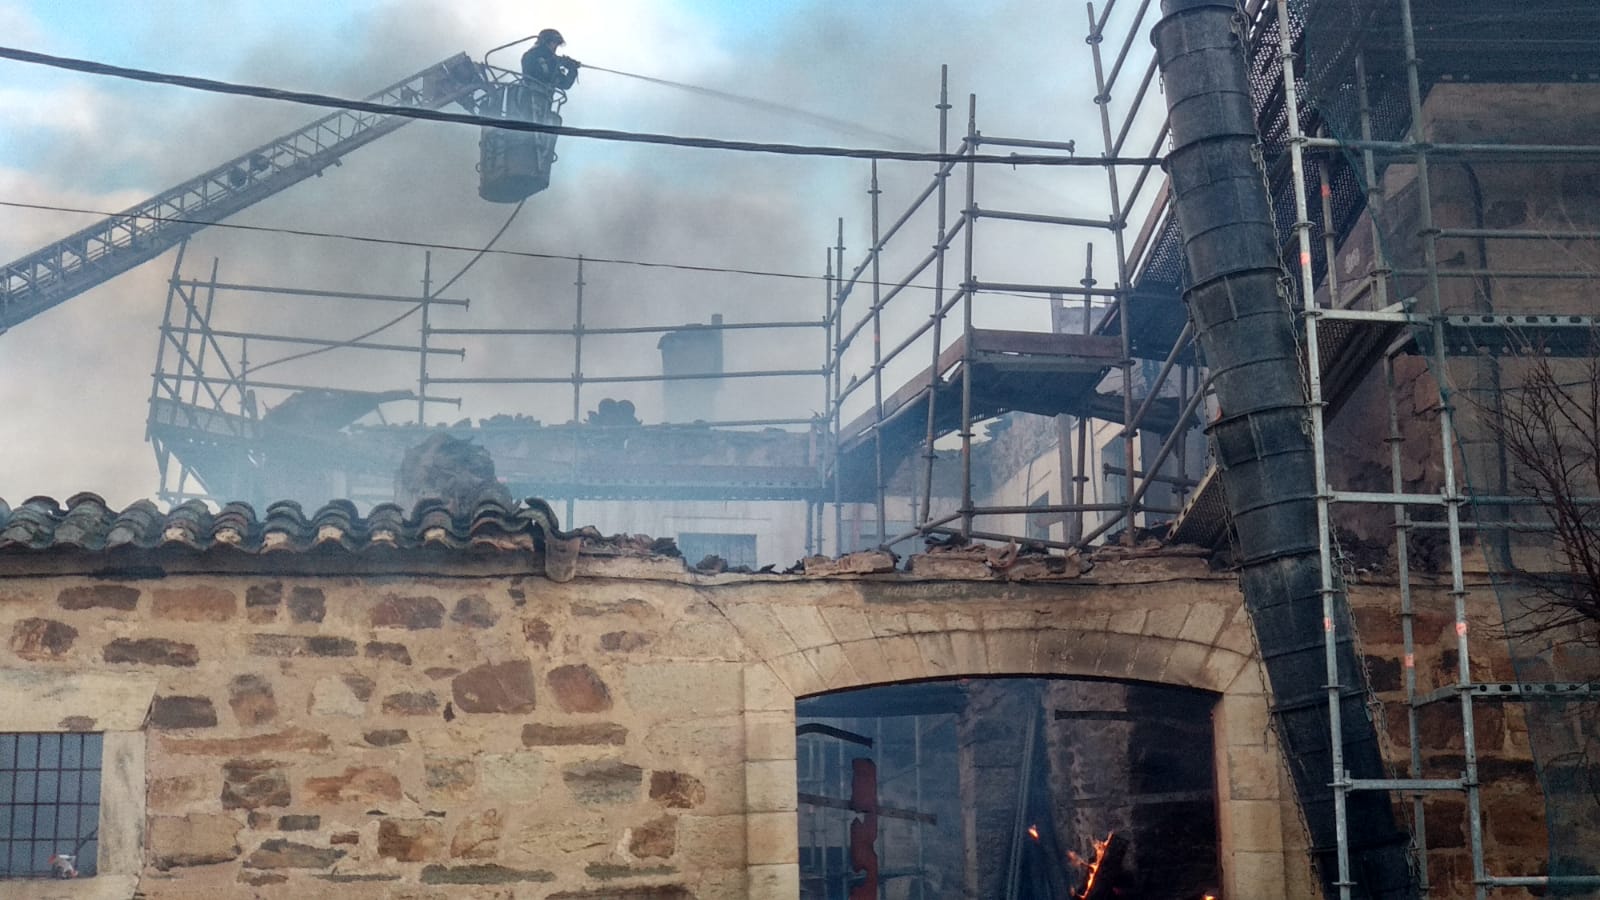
49, 804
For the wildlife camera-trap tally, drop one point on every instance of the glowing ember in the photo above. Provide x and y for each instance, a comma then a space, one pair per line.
1033, 832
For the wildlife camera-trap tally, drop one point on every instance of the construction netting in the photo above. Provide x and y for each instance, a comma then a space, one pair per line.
1471, 133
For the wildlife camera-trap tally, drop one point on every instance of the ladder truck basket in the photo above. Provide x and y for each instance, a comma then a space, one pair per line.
515, 165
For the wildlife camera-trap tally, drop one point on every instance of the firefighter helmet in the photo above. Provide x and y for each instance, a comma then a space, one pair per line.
552, 36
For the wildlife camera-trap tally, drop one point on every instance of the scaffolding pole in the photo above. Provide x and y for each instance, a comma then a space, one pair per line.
1130, 429
1453, 498
877, 360
969, 221
940, 243
1328, 588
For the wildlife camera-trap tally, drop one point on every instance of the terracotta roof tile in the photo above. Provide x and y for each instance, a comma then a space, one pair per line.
87, 524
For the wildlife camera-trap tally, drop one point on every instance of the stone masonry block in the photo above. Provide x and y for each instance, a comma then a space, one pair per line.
887, 622
804, 625
847, 623
1253, 773
1083, 655
1128, 621
963, 621
1010, 652
1254, 875
1252, 679
1222, 668
1239, 634
1243, 719
904, 657
1165, 621
1150, 658
1117, 656
938, 654
1186, 664
42, 639
867, 659
715, 842
770, 785
686, 689
760, 629
774, 880
1255, 825
578, 689
772, 838
1204, 623
99, 596
764, 690
1011, 620
798, 674
1055, 650
769, 735
201, 603
1088, 620
832, 666
968, 654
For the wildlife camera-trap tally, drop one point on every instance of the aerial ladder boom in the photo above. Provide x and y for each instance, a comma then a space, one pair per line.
68, 267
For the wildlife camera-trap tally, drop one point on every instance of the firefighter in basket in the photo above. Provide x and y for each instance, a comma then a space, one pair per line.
544, 71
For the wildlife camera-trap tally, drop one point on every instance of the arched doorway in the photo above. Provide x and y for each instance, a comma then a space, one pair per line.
1000, 788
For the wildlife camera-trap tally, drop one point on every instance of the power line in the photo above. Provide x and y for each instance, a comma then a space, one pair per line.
604, 134
419, 245
413, 310
463, 248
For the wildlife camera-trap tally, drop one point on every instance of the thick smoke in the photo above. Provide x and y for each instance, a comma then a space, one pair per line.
74, 382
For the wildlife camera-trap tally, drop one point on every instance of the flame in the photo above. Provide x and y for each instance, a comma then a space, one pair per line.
1093, 865
1033, 832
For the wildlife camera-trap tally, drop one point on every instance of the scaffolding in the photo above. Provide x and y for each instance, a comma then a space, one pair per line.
1341, 91
207, 424
1370, 124
1330, 165
216, 436
975, 374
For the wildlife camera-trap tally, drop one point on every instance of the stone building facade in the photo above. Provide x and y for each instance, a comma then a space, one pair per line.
478, 707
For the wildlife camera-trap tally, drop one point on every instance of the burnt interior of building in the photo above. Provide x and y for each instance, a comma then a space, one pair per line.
1003, 787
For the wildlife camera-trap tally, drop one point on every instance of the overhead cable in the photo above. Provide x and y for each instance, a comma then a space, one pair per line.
463, 248
413, 310
604, 134
419, 245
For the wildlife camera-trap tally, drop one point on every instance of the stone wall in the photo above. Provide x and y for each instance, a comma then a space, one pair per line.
628, 734
1515, 841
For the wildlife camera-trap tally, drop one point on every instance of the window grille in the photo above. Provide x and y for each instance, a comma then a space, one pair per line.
49, 804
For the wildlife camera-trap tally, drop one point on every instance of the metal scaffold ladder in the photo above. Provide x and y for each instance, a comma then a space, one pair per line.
1437, 335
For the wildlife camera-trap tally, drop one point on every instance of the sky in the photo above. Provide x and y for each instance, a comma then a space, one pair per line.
75, 381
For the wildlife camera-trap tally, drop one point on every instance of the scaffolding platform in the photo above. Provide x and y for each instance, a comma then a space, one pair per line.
236, 456
1012, 371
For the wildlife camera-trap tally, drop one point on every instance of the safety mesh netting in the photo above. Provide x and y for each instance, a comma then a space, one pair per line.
1501, 248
